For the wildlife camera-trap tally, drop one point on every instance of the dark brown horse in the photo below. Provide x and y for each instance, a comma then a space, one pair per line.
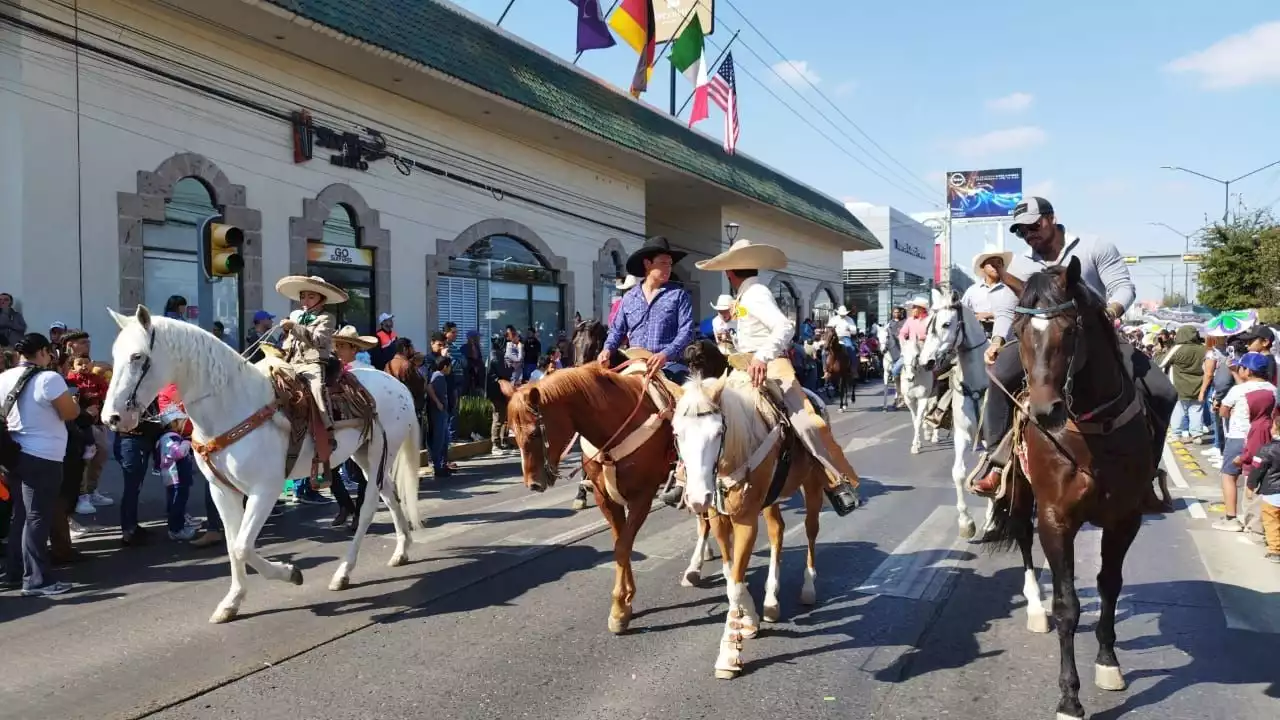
587, 341
839, 366
1087, 455
607, 410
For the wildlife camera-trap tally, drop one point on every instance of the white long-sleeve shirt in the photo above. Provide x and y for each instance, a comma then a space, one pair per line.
763, 330
845, 326
996, 299
1101, 268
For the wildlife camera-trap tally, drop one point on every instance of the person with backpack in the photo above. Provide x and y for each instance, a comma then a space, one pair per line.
36, 407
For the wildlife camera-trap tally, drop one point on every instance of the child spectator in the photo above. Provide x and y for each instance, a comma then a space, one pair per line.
1264, 482
1246, 403
546, 366
177, 469
438, 415
91, 388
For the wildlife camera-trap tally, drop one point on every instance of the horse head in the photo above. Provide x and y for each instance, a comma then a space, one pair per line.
1055, 312
588, 340
140, 369
532, 427
699, 428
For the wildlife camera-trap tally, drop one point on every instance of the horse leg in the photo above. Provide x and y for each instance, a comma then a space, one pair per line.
389, 492
580, 499
963, 426
616, 515
722, 528
741, 622
813, 497
917, 424
775, 526
637, 512
1115, 544
1058, 543
1037, 616
693, 574
232, 513
240, 544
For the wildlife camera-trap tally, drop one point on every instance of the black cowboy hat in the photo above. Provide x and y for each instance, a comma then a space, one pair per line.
653, 247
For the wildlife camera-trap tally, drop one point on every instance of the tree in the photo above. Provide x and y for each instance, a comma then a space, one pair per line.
1172, 300
1241, 265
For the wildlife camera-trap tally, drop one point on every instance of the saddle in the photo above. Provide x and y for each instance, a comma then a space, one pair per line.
350, 405
938, 408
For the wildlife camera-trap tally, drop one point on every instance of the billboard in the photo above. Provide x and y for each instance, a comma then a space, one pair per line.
975, 194
669, 16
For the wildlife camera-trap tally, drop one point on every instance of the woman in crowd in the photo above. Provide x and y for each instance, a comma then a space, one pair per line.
12, 325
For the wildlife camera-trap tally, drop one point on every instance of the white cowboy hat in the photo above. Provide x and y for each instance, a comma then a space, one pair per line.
1005, 256
842, 311
349, 335
746, 255
292, 287
172, 415
724, 302
918, 301
626, 283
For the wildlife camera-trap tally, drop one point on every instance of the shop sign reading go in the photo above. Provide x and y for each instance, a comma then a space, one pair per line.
339, 255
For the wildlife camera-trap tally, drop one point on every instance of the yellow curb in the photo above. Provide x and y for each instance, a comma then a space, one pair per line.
1197, 473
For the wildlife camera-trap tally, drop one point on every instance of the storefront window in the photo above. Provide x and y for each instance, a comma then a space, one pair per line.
339, 259
171, 262
824, 308
788, 301
513, 285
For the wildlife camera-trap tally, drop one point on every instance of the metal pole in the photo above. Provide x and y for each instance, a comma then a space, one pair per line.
673, 88
607, 13
1226, 201
711, 68
503, 16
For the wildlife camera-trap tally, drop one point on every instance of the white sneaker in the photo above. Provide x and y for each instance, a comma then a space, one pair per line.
1216, 463
1210, 451
186, 534
84, 506
77, 530
192, 522
100, 500
1232, 525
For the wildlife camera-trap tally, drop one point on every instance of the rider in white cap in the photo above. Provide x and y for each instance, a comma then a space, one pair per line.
308, 333
765, 332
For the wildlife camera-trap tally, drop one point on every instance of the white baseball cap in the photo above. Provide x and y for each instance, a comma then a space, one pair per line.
385, 317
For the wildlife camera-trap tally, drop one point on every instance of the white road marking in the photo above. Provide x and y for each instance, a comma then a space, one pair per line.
1196, 509
1175, 471
924, 565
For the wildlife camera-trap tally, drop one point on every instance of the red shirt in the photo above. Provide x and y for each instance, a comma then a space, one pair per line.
169, 397
91, 389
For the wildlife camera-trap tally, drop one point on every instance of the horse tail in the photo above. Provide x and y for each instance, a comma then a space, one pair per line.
406, 467
1011, 516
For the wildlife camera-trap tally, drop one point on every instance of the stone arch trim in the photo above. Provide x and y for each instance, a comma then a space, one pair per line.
369, 230
777, 281
833, 292
604, 264
438, 264
692, 285
155, 188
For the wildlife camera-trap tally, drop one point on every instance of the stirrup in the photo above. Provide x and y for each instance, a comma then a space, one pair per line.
844, 498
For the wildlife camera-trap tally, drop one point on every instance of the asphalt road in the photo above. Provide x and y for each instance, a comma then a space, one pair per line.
502, 614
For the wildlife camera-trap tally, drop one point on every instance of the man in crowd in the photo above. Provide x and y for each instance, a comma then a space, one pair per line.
990, 299
262, 322
655, 315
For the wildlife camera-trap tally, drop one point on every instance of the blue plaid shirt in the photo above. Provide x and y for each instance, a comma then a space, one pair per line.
663, 326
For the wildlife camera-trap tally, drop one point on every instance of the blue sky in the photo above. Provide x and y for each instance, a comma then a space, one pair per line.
1089, 98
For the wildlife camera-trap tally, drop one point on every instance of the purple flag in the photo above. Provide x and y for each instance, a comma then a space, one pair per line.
593, 33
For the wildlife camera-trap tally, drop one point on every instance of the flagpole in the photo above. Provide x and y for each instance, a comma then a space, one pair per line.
711, 68
503, 16
609, 12
667, 46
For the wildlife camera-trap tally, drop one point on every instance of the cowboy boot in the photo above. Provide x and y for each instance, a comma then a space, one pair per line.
673, 492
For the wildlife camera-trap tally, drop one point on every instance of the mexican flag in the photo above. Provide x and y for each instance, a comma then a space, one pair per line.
688, 55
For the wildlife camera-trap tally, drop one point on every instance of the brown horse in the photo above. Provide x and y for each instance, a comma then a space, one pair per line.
839, 366
624, 417
587, 342
1086, 456
735, 445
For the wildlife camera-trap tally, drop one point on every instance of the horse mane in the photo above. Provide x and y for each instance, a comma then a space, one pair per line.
197, 353
748, 415
592, 382
704, 359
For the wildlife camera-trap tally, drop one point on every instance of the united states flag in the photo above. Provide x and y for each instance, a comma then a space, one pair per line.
723, 91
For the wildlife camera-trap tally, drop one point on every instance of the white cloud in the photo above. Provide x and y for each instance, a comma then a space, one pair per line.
1249, 58
1000, 141
1011, 103
796, 72
1043, 189
845, 88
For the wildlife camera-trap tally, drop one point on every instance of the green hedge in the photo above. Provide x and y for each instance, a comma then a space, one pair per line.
475, 415
1269, 315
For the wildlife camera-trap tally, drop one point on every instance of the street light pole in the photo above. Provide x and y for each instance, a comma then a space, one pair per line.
1226, 184
1186, 250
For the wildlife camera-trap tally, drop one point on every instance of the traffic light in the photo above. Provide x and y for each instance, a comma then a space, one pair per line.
220, 245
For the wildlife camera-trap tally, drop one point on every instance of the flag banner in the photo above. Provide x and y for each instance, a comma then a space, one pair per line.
633, 21
722, 89
593, 32
688, 55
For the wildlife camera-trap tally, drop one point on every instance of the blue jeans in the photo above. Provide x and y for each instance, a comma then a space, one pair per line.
1191, 411
439, 445
133, 452
176, 495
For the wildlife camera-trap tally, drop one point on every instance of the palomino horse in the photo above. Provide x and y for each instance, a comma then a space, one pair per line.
233, 408
736, 447
915, 385
839, 366
627, 449
956, 338
1087, 455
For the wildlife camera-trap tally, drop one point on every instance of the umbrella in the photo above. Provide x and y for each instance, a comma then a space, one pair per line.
1231, 322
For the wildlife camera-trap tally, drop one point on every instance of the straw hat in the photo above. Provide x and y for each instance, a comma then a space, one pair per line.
842, 311
724, 302
292, 287
626, 283
919, 301
1005, 256
349, 335
746, 255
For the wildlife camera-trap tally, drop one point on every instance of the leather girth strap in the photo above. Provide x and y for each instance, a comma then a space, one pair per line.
206, 449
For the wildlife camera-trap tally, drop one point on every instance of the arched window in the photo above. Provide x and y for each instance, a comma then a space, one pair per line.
171, 262
788, 301
340, 259
824, 308
608, 280
502, 281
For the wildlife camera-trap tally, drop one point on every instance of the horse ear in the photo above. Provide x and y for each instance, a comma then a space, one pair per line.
143, 316
533, 397
120, 320
1073, 272
955, 297
936, 296
507, 388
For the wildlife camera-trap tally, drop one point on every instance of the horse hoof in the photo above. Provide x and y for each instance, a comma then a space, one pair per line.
1064, 716
808, 597
915, 450
1108, 678
617, 626
968, 529
341, 582
691, 578
223, 615
295, 576
398, 560
749, 632
772, 613
1038, 622
578, 505
727, 674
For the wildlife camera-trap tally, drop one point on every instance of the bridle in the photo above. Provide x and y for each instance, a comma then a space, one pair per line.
962, 338
552, 470
131, 402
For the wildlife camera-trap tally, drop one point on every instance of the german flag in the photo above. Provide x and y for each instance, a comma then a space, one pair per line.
633, 21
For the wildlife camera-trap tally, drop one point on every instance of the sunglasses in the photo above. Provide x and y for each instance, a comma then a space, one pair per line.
1022, 230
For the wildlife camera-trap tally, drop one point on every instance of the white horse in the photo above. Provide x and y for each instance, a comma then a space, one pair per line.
955, 334
220, 391
915, 385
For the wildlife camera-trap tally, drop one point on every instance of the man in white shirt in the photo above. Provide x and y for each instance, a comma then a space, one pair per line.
845, 328
723, 325
990, 299
765, 332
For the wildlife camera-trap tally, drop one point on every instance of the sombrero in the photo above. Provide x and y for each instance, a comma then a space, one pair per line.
746, 255
842, 311
724, 302
653, 247
626, 283
918, 301
1005, 256
292, 287
349, 335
